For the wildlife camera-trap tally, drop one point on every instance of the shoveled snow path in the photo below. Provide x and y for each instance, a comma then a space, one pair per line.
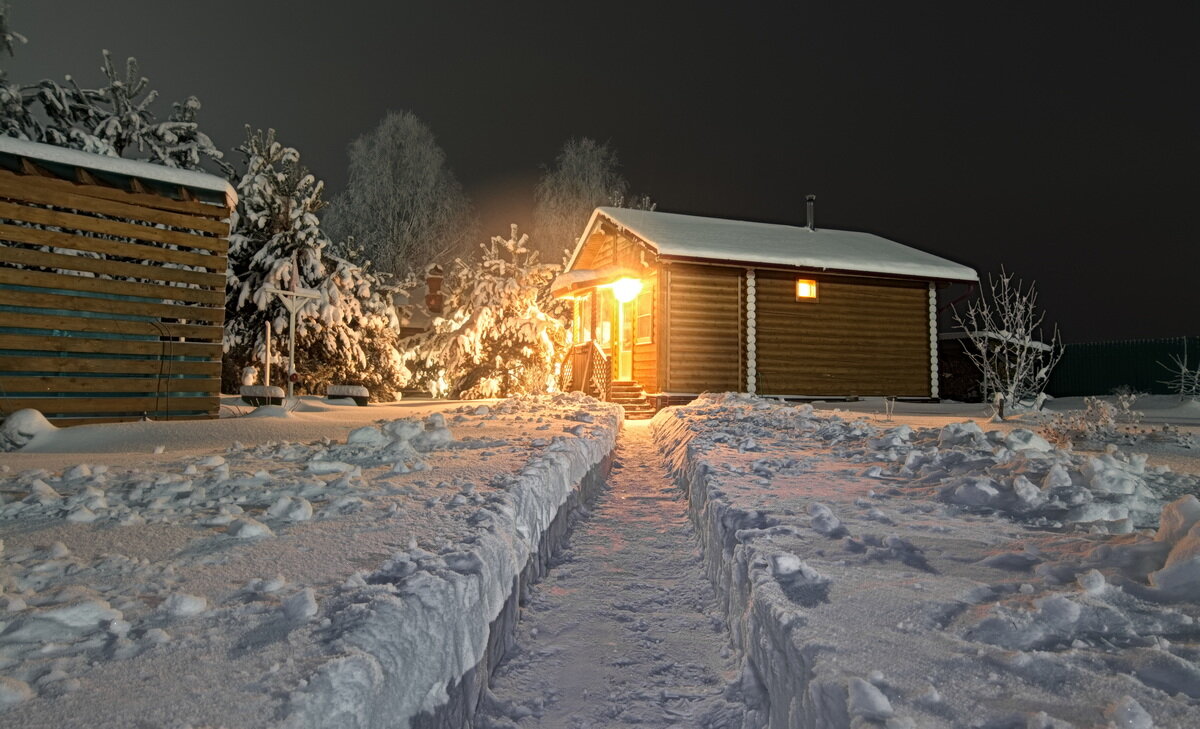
625, 629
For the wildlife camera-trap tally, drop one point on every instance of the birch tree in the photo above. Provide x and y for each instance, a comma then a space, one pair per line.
402, 204
586, 175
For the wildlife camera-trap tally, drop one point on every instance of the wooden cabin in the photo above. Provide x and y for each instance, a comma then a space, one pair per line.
668, 306
112, 286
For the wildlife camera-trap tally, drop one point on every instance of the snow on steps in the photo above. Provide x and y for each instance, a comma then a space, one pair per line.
427, 627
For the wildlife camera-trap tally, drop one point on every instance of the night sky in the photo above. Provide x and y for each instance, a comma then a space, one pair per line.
1061, 140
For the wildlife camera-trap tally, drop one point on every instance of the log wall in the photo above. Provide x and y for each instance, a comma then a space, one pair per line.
862, 336
111, 300
704, 320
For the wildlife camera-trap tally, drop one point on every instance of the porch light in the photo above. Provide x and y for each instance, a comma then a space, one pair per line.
626, 289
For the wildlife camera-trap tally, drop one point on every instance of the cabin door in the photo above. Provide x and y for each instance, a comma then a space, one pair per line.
626, 320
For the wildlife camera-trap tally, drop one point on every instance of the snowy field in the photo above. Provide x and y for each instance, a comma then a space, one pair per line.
919, 571
333, 566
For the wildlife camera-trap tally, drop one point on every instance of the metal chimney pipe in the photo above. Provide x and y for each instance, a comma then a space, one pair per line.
812, 200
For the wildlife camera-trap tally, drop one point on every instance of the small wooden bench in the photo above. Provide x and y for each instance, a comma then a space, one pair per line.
257, 395
357, 393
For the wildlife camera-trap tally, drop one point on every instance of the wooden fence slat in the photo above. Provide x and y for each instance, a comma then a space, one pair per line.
22, 191
100, 405
52, 383
164, 348
43, 259
115, 326
107, 366
73, 221
135, 251
150, 200
111, 306
90, 284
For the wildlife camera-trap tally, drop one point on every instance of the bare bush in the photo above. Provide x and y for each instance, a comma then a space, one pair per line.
1004, 329
1184, 380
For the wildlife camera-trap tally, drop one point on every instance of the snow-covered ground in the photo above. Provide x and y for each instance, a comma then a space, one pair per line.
338, 566
940, 575
625, 630
332, 566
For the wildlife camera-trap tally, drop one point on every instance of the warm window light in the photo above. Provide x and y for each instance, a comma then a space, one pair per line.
626, 289
806, 288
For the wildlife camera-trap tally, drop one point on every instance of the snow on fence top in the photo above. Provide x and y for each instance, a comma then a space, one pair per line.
209, 188
691, 236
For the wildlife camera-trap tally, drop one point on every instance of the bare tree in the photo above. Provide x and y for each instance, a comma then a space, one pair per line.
1184, 380
585, 176
402, 203
1004, 329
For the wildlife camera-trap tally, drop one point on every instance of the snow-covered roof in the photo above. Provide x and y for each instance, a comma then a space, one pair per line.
690, 236
217, 188
567, 283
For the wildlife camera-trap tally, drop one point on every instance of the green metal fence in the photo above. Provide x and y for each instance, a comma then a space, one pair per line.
1097, 368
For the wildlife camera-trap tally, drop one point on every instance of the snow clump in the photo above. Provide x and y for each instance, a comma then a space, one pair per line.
21, 427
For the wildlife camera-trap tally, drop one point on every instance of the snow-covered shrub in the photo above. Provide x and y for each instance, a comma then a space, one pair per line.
495, 339
1004, 331
1096, 423
1101, 423
346, 336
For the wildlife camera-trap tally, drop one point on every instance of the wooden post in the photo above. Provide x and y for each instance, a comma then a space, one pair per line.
751, 333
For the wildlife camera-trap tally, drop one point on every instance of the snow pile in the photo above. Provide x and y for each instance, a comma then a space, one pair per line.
868, 580
438, 606
209, 492
1179, 530
400, 544
1018, 473
22, 427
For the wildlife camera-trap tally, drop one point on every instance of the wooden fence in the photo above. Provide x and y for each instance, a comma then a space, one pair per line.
111, 298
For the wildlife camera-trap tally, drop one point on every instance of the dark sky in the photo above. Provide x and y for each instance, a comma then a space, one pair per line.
1059, 139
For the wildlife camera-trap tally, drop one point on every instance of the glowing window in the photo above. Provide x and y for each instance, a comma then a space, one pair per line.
806, 289
585, 318
645, 316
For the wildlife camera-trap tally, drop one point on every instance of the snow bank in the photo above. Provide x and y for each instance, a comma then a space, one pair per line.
869, 579
326, 584
23, 427
419, 623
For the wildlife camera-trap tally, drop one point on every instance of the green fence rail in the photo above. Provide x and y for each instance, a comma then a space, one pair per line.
1097, 368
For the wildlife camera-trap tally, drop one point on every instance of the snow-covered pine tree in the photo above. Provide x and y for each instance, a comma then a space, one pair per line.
113, 120
348, 335
495, 339
7, 35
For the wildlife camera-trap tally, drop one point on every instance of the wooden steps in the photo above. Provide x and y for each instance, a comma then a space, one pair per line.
630, 396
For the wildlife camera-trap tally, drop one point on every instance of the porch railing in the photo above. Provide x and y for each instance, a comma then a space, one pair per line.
586, 369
